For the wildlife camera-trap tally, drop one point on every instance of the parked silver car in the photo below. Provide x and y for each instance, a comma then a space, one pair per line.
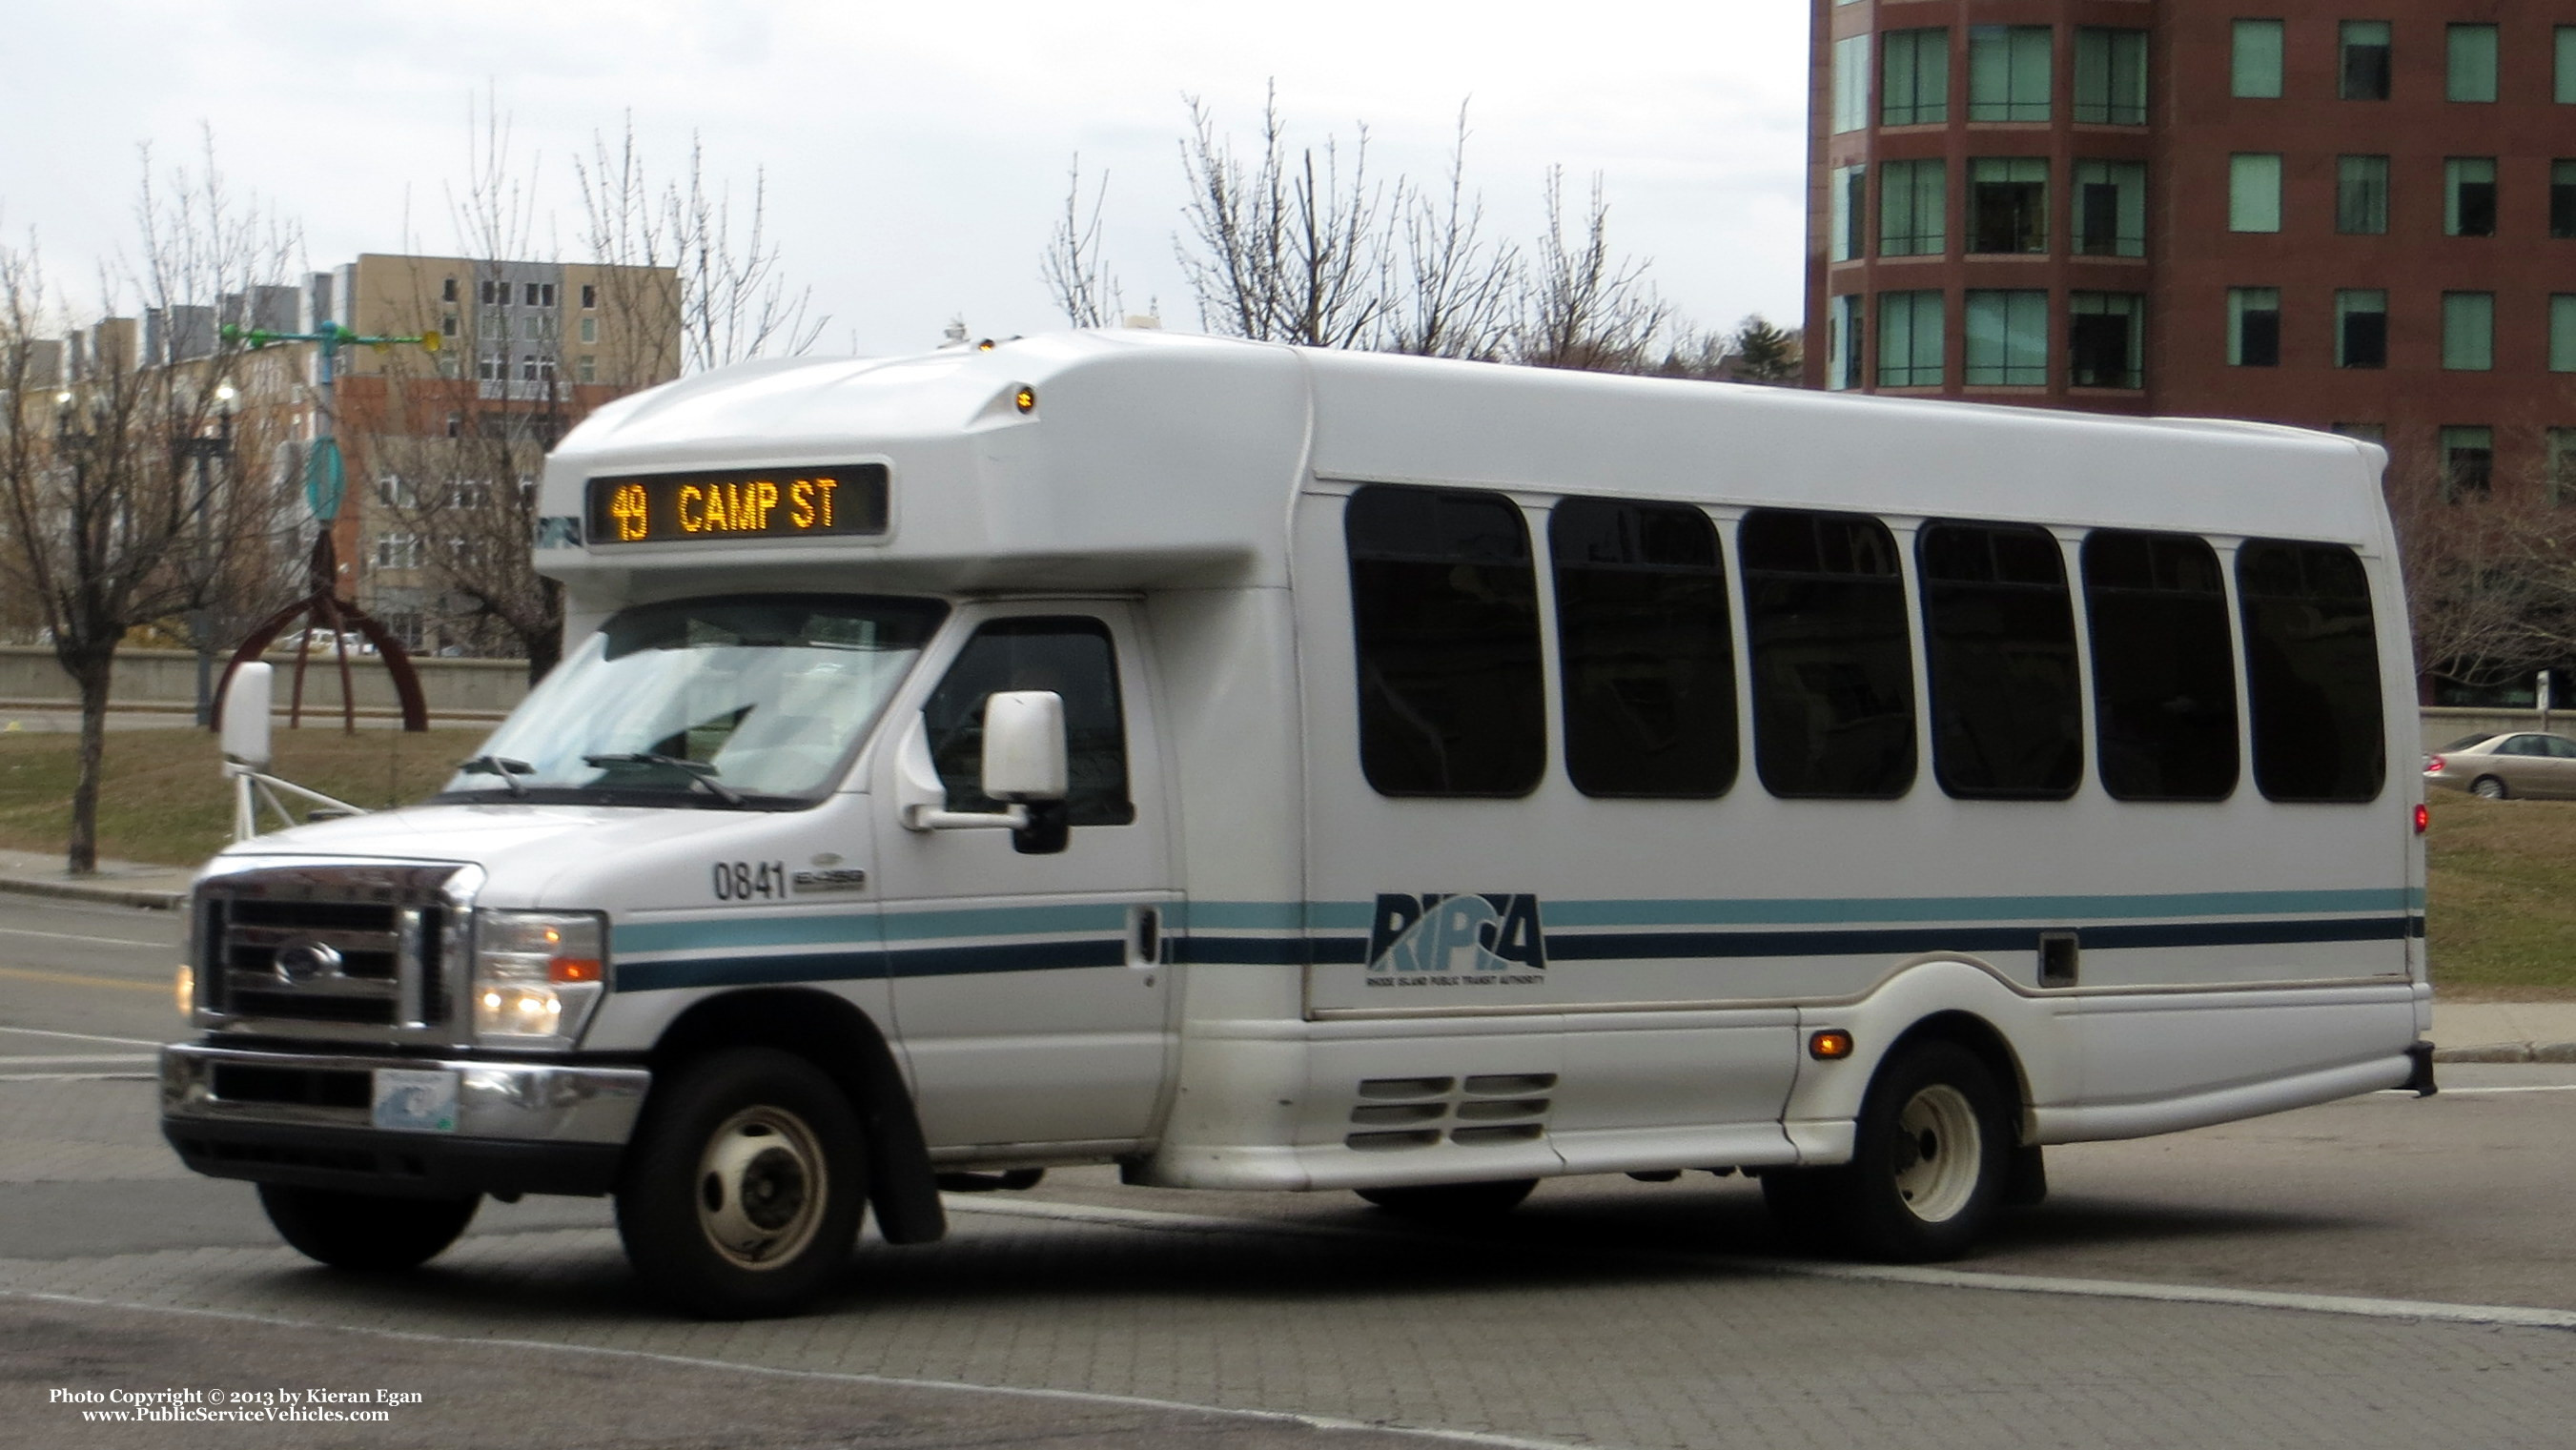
2527, 763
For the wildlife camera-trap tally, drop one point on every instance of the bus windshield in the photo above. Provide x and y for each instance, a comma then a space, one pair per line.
739, 702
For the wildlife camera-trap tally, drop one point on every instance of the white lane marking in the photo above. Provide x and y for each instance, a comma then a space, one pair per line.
94, 1059
2369, 1308
2550, 1087
112, 941
85, 1036
1087, 1397
79, 1076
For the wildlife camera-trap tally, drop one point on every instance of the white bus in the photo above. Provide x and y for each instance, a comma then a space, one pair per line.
1266, 768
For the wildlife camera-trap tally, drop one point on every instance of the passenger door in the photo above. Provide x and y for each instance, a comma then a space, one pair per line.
1030, 993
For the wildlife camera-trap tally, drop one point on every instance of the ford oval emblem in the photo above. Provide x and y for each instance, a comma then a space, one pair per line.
303, 959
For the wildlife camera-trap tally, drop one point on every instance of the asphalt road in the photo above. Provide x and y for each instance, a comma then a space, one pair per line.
2309, 1278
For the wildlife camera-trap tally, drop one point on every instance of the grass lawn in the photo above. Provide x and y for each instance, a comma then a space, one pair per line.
2503, 921
166, 800
2502, 882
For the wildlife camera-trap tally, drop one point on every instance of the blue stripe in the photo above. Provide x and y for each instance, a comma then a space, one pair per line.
668, 976
1668, 945
1793, 911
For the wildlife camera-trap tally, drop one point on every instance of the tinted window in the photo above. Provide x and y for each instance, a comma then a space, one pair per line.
2311, 672
1833, 677
1072, 657
2164, 673
1999, 642
1648, 666
1444, 601
2465, 741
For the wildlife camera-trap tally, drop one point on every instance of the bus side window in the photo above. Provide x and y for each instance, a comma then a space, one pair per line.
1833, 667
1999, 641
1444, 604
2311, 672
2164, 672
1072, 656
1646, 657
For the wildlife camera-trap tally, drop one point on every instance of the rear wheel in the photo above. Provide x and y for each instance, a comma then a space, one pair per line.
1931, 1163
743, 1194
2487, 787
370, 1231
1452, 1203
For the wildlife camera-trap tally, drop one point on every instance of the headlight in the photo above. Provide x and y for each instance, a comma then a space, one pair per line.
537, 975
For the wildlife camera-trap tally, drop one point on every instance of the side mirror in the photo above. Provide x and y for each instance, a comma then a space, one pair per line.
1024, 746
245, 723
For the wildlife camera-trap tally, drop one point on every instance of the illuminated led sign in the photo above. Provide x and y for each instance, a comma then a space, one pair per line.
750, 503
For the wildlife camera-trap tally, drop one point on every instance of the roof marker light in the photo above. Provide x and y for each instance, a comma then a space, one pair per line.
1026, 400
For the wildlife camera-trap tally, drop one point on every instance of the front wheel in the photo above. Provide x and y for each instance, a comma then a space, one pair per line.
366, 1231
1452, 1203
742, 1195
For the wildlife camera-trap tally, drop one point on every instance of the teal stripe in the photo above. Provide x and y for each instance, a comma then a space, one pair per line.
1793, 911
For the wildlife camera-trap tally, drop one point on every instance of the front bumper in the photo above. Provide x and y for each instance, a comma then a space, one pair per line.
315, 1120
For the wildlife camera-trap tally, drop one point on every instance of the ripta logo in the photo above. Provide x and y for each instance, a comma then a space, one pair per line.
1466, 935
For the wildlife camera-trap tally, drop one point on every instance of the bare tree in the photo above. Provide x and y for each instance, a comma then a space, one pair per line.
1585, 306
1076, 274
98, 498
1282, 249
1452, 290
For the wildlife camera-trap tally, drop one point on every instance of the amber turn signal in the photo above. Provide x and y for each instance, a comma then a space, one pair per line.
1830, 1045
1026, 399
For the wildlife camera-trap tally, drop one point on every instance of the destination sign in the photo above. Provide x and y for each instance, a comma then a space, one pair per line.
758, 503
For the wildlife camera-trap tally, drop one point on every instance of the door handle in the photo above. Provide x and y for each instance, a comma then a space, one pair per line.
1145, 937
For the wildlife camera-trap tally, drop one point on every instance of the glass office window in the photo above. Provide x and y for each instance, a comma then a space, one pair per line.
2111, 76
1845, 239
2007, 339
1909, 339
2469, 196
2311, 672
2254, 191
2106, 339
1833, 667
2562, 466
2008, 72
1644, 646
2111, 208
2468, 331
2361, 328
1999, 657
1851, 84
2365, 60
1913, 199
1914, 77
2468, 460
1444, 605
2008, 204
2564, 87
2164, 671
2253, 327
1842, 342
2473, 63
2562, 333
2254, 72
2562, 198
2361, 195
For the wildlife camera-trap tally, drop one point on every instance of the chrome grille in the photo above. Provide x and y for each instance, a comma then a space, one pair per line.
350, 943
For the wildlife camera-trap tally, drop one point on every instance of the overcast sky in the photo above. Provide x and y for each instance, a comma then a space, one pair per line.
915, 153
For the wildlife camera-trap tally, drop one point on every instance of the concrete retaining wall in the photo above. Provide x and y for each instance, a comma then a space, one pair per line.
161, 679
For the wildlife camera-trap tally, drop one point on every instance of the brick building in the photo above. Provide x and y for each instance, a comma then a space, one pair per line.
2358, 216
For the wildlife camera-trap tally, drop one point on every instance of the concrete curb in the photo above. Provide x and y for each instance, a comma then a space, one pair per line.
158, 899
2509, 1052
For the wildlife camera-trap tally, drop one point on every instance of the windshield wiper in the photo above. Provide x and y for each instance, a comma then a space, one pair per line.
702, 772
509, 770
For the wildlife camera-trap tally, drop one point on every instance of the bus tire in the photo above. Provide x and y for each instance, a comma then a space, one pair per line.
365, 1231
1931, 1158
1451, 1203
742, 1195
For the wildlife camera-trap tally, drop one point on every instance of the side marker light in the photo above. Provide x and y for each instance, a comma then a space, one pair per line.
2423, 818
1831, 1045
1026, 400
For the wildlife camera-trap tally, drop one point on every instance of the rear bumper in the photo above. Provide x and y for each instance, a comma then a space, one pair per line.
311, 1119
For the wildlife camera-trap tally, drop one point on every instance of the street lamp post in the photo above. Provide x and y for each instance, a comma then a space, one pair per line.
204, 448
